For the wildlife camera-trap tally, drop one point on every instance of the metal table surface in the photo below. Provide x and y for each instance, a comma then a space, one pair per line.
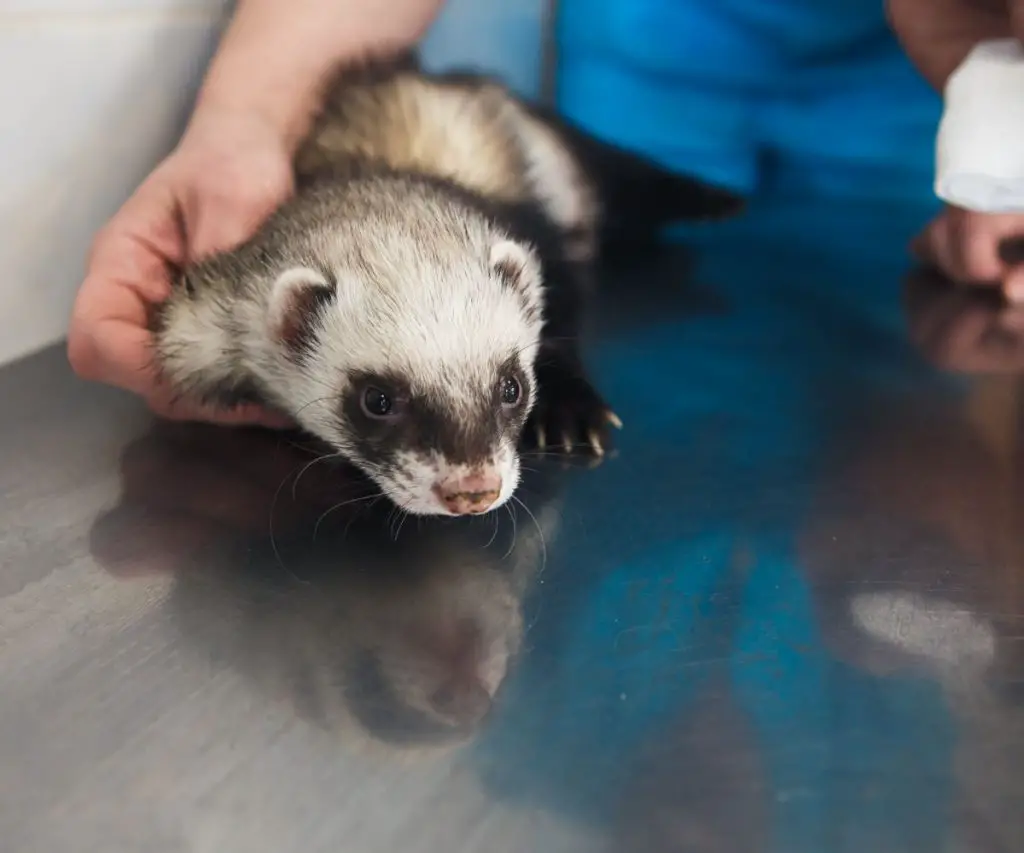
785, 617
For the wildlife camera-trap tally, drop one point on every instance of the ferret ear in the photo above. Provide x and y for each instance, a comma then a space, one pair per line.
295, 298
519, 270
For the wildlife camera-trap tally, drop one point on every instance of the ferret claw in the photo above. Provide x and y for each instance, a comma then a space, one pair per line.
572, 420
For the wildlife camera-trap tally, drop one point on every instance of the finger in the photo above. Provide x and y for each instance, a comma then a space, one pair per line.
129, 265
1013, 285
108, 339
114, 352
979, 238
120, 354
972, 248
123, 281
992, 244
144, 237
220, 223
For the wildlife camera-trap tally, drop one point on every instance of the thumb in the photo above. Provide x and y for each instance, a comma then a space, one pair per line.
217, 224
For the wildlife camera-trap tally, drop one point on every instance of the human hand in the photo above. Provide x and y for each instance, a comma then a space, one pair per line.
984, 249
228, 173
967, 247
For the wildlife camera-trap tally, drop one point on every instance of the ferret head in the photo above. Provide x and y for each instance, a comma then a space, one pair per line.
412, 341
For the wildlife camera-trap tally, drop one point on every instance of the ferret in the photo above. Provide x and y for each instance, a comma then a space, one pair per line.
418, 303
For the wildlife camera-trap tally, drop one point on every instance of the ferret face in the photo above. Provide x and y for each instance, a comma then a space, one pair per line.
441, 447
418, 362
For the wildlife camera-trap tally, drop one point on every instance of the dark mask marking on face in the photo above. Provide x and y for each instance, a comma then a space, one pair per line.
426, 422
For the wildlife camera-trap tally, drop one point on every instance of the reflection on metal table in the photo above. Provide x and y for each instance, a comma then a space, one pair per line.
785, 617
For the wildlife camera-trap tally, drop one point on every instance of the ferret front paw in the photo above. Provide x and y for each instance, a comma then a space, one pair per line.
570, 416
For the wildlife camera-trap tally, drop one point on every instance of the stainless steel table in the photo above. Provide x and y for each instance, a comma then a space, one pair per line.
786, 617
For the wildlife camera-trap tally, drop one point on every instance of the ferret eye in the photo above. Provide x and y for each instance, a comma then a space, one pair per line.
377, 404
511, 391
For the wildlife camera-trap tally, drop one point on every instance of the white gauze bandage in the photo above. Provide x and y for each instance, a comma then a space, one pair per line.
980, 144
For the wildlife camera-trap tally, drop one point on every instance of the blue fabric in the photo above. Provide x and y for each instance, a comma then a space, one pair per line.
798, 95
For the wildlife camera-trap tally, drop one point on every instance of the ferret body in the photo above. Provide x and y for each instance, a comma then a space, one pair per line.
418, 304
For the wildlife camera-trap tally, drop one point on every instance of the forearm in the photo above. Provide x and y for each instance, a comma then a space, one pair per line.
275, 54
937, 35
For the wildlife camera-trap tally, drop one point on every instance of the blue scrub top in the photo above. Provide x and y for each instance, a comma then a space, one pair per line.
797, 95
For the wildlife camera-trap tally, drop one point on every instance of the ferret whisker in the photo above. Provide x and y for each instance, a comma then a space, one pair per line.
540, 533
327, 386
395, 522
564, 339
313, 402
494, 532
510, 508
341, 505
360, 508
307, 466
273, 539
403, 515
392, 520
291, 442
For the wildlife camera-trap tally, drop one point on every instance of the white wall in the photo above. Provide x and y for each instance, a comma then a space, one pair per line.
94, 92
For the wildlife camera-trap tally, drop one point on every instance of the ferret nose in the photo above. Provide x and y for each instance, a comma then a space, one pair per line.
470, 495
